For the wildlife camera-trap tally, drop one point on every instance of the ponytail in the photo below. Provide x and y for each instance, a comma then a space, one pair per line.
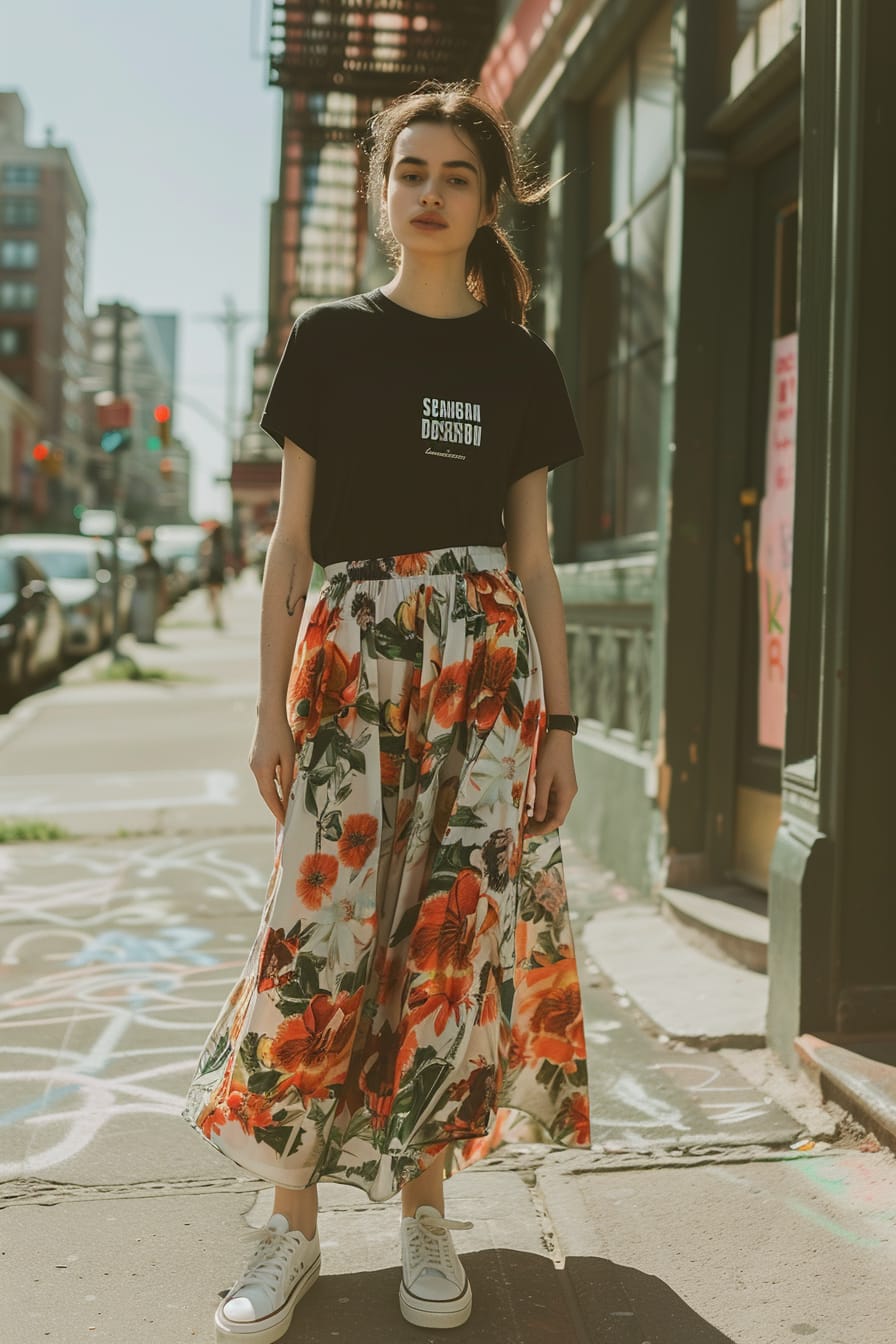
497, 275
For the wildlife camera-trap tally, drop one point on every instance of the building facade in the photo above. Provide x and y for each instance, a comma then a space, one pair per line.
43, 237
712, 269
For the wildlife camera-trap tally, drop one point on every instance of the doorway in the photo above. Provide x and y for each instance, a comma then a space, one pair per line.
764, 605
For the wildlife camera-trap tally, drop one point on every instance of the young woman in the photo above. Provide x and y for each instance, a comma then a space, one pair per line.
412, 996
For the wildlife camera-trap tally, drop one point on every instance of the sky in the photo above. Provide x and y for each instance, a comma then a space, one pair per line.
173, 130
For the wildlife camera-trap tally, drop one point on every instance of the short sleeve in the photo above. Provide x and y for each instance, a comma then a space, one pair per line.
292, 410
549, 434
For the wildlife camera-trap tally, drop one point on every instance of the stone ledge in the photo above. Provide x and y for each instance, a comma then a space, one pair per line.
863, 1085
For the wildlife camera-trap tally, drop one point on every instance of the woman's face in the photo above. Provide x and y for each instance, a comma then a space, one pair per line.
436, 174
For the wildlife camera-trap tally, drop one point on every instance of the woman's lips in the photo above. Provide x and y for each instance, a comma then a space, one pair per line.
428, 224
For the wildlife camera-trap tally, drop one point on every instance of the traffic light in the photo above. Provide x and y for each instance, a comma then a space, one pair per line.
114, 440
48, 459
162, 417
166, 467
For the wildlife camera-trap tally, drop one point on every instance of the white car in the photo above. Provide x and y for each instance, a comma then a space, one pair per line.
78, 575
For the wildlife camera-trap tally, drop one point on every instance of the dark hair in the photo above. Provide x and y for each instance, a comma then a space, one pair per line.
495, 273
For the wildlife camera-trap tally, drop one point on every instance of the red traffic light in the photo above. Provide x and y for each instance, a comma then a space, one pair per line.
40, 452
162, 414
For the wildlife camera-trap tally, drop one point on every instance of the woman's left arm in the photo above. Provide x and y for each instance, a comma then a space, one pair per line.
529, 556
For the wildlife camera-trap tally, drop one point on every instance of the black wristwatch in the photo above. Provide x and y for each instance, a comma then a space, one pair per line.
569, 722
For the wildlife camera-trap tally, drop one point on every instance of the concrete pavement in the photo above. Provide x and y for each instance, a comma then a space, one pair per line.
693, 1218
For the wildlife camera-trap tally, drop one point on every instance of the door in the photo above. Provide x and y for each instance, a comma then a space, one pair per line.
758, 770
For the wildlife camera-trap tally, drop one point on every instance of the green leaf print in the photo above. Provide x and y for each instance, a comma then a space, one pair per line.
446, 564
265, 1080
332, 826
405, 925
467, 816
274, 1136
434, 617
217, 1056
249, 1052
305, 983
367, 708
392, 642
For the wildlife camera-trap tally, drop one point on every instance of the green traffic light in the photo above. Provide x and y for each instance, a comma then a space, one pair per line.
154, 443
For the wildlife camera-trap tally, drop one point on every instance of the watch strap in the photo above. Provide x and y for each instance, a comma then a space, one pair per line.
569, 722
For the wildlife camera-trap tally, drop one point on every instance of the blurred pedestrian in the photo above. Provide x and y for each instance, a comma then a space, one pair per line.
412, 997
213, 554
148, 596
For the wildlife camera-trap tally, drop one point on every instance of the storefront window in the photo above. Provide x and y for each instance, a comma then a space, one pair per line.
631, 142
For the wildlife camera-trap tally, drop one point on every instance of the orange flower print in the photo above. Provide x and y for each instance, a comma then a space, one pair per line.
529, 723
441, 997
278, 953
491, 673
576, 1113
317, 874
313, 1048
553, 1013
446, 925
390, 768
412, 562
495, 598
450, 702
248, 1109
358, 839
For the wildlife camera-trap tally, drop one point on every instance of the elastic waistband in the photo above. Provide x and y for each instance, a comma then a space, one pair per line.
442, 560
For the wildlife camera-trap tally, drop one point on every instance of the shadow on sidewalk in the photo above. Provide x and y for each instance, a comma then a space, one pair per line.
518, 1298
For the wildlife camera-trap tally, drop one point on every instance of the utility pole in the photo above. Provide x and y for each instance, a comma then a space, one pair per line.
114, 414
230, 321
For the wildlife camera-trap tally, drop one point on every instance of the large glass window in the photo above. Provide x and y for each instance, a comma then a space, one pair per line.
20, 212
17, 296
12, 340
631, 138
21, 174
18, 253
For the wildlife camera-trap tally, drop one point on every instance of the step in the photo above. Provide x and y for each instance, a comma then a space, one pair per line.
687, 994
859, 1073
739, 933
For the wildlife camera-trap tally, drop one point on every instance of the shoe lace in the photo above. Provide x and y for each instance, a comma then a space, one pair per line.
430, 1246
268, 1262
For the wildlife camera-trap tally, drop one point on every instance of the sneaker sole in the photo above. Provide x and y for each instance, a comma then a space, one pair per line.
436, 1315
273, 1327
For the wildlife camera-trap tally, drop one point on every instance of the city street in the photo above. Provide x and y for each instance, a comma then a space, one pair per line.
696, 1217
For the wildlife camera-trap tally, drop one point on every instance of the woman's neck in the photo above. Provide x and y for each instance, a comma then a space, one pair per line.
434, 293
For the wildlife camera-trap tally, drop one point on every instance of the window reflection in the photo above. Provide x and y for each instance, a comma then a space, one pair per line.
631, 137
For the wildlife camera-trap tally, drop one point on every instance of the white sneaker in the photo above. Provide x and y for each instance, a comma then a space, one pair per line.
281, 1269
435, 1291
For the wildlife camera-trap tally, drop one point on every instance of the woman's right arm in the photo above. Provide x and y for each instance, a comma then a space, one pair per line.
287, 573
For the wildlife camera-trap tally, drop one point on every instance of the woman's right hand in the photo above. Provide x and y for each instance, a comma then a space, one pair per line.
272, 760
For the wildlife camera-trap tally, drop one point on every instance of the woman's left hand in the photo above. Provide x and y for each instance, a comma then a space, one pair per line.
555, 783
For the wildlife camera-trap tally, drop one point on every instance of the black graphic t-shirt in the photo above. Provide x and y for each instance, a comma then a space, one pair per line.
417, 424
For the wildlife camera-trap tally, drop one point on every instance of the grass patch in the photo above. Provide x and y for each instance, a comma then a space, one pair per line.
13, 831
125, 669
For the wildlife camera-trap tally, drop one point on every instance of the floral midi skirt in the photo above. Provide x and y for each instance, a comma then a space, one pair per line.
413, 985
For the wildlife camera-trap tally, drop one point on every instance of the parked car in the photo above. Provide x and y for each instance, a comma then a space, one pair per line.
177, 549
78, 575
32, 624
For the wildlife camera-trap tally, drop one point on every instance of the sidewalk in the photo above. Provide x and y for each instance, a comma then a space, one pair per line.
119, 944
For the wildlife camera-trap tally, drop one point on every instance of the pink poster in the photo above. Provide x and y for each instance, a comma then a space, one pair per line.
775, 551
